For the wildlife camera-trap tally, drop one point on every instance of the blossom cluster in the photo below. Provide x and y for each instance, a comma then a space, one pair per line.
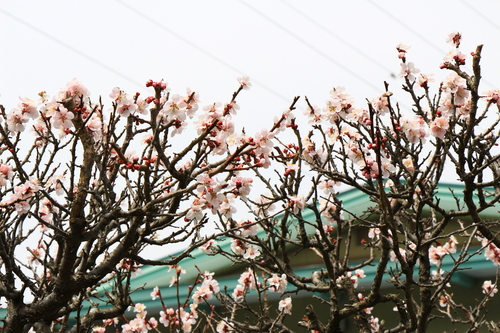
437, 253
139, 324
491, 251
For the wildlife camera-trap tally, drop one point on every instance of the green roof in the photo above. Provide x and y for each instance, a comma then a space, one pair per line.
353, 200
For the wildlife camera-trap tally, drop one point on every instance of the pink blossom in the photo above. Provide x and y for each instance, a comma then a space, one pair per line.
248, 279
374, 233
454, 38
16, 120
354, 279
277, 283
35, 256
28, 107
251, 252
491, 252
355, 152
489, 289
408, 70
152, 323
47, 209
453, 82
139, 307
402, 47
439, 127
329, 211
241, 186
224, 327
455, 56
423, 80
238, 246
202, 293
374, 324
451, 245
248, 228
408, 163
227, 206
165, 317
339, 105
369, 168
23, 191
461, 96
231, 108
74, 89
387, 167
381, 104
359, 115
195, 211
285, 306
297, 203
314, 115
5, 174
394, 257
415, 129
291, 167
311, 154
188, 320
206, 183
328, 186
209, 247
125, 105
62, 118
175, 108
142, 106
155, 293
206, 290
263, 142
191, 99
56, 183
493, 96
436, 254
360, 273
126, 110
239, 292
444, 300
244, 82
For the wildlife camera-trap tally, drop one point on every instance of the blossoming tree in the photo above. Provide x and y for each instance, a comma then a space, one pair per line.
92, 203
397, 158
85, 187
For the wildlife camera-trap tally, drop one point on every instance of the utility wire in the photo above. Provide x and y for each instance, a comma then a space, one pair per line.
200, 49
475, 10
71, 48
323, 54
312, 47
426, 40
415, 32
332, 34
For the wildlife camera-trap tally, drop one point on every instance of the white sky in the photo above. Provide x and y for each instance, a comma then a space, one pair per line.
287, 48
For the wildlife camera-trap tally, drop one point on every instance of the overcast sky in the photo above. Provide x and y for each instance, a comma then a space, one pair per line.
287, 48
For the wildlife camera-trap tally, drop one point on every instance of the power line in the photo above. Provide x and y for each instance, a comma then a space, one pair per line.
332, 34
481, 14
415, 32
312, 47
71, 48
426, 40
200, 49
